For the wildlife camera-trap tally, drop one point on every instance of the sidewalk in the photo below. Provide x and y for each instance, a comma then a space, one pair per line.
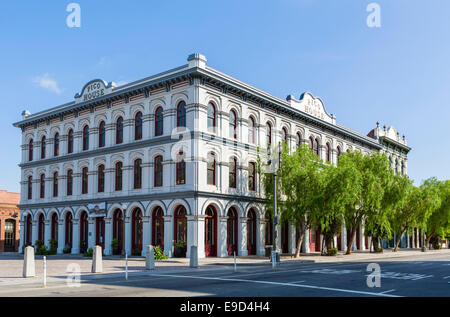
11, 265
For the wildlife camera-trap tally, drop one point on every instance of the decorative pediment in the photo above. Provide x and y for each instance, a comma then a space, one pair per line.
94, 89
311, 105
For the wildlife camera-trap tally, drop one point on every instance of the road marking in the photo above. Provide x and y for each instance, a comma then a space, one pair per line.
391, 290
446, 277
280, 284
296, 282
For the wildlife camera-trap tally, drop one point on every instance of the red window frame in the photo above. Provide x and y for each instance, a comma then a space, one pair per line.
269, 133
251, 131
84, 180
252, 176
70, 141
138, 126
56, 144
30, 150
181, 114
180, 169
299, 139
328, 152
159, 121
158, 171
118, 176
119, 130
158, 222
85, 138
137, 179
211, 122
69, 188
101, 134
233, 173
55, 184
43, 147
30, 187
211, 169
101, 178
233, 124
42, 186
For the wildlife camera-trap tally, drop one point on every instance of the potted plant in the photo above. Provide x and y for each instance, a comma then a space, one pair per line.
53, 246
136, 252
83, 246
115, 246
179, 249
159, 255
38, 244
67, 249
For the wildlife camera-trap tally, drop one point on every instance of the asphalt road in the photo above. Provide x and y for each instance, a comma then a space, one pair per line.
421, 276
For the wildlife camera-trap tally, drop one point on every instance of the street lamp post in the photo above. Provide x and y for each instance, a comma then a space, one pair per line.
275, 250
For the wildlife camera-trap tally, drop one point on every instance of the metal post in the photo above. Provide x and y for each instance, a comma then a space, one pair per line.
235, 261
45, 273
126, 266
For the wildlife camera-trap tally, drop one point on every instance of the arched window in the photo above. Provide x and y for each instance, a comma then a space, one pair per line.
232, 237
138, 126
70, 141
158, 171
136, 229
181, 169
233, 124
403, 168
101, 134
339, 152
232, 172
284, 135
43, 146
158, 227
101, 178
159, 122
211, 169
86, 138
84, 180
137, 174
28, 231
42, 186
316, 147
119, 130
41, 228
299, 139
311, 142
30, 187
56, 145
55, 184
69, 182
180, 224
328, 153
252, 176
396, 166
118, 180
211, 117
181, 114
30, 150
251, 130
69, 230
54, 228
268, 133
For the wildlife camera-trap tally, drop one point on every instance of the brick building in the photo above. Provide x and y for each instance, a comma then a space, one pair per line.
9, 221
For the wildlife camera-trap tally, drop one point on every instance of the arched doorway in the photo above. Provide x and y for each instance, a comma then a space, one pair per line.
232, 231
41, 228
28, 224
285, 237
118, 231
10, 235
69, 230
314, 240
210, 231
251, 232
100, 232
158, 227
54, 231
180, 231
136, 229
84, 231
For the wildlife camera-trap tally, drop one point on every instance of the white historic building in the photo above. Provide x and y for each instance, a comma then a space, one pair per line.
171, 158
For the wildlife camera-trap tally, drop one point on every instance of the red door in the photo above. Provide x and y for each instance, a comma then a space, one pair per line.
100, 232
251, 232
312, 240
211, 232
232, 232
285, 237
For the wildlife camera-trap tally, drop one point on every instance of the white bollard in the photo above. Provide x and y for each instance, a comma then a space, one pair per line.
97, 264
194, 257
150, 258
45, 272
273, 259
28, 262
126, 267
235, 269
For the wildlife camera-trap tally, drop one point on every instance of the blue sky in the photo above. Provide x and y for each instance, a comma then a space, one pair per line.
398, 74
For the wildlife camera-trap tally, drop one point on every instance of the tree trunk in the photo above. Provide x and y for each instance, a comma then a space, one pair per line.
299, 241
375, 243
399, 238
427, 243
350, 241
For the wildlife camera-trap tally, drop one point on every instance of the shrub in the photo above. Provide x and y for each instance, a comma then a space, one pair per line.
180, 244
136, 252
89, 253
159, 255
114, 243
378, 250
43, 250
53, 244
67, 250
38, 244
436, 246
332, 251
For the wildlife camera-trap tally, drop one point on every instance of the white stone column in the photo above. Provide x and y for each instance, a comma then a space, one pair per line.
146, 234
168, 235
292, 242
305, 246
127, 235
75, 236
34, 231
222, 237
47, 233
108, 236
196, 235
92, 233
61, 236
362, 238
21, 235
344, 237
261, 225
242, 228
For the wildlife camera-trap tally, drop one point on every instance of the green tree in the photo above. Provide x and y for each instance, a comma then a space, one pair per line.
366, 192
438, 224
416, 207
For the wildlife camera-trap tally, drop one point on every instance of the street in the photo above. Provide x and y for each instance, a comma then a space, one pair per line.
424, 276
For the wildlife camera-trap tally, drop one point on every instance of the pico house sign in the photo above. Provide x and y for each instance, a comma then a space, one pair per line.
312, 106
94, 89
